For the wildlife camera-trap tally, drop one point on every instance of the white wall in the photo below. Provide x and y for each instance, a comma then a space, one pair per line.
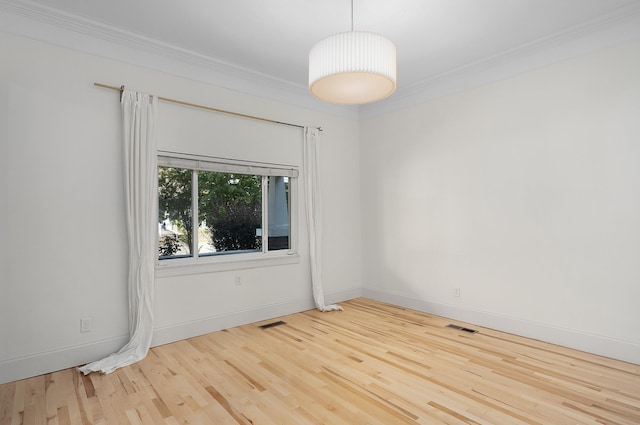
4, 187
63, 241
525, 194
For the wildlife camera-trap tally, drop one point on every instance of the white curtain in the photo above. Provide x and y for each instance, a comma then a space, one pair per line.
313, 203
140, 165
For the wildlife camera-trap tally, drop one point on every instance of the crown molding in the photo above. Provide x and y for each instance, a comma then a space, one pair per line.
607, 30
36, 21
39, 22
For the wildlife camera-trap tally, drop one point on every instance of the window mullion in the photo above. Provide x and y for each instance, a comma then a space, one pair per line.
293, 215
265, 214
195, 223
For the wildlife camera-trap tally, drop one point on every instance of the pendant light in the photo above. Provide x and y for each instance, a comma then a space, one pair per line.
353, 67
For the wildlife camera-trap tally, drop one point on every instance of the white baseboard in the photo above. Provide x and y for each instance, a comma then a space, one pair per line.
184, 330
590, 343
209, 324
51, 361
340, 296
63, 358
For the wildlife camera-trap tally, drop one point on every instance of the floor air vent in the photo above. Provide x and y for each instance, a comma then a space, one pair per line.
460, 328
271, 325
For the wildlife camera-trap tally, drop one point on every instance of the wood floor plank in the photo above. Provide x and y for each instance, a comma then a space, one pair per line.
372, 364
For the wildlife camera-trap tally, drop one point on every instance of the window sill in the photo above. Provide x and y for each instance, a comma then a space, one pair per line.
186, 268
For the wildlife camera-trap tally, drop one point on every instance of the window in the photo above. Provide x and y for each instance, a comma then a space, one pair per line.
218, 211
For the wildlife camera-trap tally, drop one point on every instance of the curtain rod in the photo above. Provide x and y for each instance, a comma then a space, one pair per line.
208, 108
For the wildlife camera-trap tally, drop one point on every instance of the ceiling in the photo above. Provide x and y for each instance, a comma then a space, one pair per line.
272, 38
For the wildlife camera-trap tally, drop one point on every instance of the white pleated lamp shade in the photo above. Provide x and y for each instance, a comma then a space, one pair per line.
353, 67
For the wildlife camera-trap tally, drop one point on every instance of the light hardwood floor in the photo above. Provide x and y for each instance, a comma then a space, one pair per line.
372, 363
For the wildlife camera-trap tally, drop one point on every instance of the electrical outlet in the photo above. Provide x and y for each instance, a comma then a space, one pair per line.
238, 281
456, 292
86, 324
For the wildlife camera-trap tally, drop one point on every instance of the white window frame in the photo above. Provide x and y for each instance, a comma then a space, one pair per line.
233, 261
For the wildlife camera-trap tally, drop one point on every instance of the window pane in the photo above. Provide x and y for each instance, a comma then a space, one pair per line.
278, 201
230, 208
175, 237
